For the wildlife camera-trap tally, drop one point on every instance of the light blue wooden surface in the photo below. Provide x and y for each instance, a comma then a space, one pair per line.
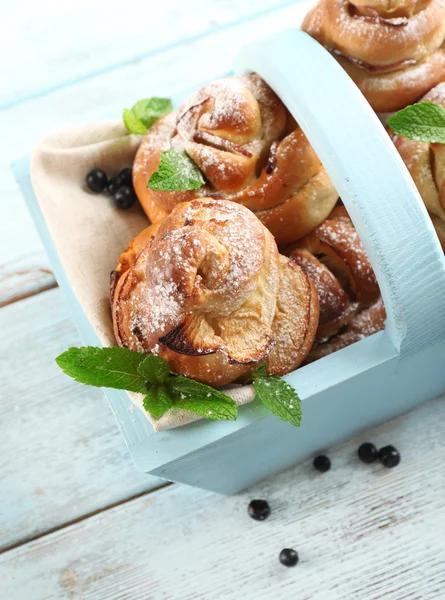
387, 527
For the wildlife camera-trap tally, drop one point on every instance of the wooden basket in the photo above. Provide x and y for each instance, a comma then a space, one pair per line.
359, 386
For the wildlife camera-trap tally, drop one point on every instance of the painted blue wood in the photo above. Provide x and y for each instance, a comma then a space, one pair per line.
377, 378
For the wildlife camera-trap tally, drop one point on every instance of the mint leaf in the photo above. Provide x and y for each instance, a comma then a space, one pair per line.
132, 123
202, 400
157, 401
278, 396
176, 172
149, 110
422, 122
104, 367
145, 113
154, 369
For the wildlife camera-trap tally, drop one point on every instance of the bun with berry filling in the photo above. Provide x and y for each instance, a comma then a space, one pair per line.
208, 291
250, 151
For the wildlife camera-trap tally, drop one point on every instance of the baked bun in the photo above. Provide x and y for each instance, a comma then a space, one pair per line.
426, 163
365, 323
335, 260
393, 50
208, 291
250, 151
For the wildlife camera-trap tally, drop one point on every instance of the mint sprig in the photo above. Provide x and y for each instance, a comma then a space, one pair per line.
422, 122
145, 113
123, 369
278, 396
176, 172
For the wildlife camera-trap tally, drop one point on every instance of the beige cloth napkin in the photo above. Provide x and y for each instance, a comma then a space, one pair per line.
88, 231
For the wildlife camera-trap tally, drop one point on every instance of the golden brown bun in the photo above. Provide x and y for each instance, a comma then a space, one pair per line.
209, 292
250, 151
368, 321
336, 261
426, 163
394, 51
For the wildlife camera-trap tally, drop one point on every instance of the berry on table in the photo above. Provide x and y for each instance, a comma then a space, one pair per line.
96, 180
125, 197
389, 456
258, 510
322, 463
368, 453
127, 176
288, 557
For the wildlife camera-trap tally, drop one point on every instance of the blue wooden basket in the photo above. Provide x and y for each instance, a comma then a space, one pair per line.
373, 380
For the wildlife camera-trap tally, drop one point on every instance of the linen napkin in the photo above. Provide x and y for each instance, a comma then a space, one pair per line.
89, 232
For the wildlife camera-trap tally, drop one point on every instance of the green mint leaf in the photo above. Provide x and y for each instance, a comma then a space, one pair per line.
422, 122
176, 172
104, 367
145, 113
154, 369
157, 401
149, 110
132, 124
278, 396
202, 400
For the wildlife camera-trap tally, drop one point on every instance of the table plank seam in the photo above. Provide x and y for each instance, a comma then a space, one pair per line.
48, 283
32, 538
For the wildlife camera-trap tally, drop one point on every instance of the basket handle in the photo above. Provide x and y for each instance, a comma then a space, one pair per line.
370, 177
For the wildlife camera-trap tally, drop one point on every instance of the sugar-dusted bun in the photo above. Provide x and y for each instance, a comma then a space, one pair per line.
250, 151
426, 163
368, 321
208, 291
394, 51
334, 258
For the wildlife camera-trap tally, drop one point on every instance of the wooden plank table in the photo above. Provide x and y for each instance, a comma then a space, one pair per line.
76, 519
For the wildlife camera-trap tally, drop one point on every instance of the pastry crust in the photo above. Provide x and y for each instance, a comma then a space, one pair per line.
334, 258
250, 151
426, 163
394, 51
365, 323
208, 291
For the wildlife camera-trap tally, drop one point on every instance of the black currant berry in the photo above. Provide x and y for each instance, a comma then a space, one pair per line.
389, 456
259, 510
288, 557
96, 180
322, 463
368, 453
125, 197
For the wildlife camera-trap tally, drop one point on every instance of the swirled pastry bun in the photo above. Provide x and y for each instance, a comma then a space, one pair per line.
426, 163
393, 50
334, 258
208, 291
368, 321
250, 151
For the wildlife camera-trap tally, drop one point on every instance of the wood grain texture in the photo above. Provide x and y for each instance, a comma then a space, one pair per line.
93, 36
168, 73
362, 532
61, 454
